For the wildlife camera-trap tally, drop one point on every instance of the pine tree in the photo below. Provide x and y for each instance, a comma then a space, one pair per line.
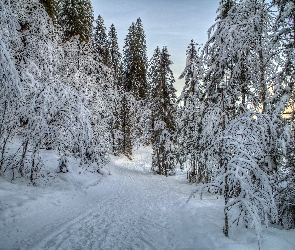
75, 18
135, 61
191, 113
101, 45
116, 56
240, 67
284, 103
116, 66
50, 7
134, 83
162, 104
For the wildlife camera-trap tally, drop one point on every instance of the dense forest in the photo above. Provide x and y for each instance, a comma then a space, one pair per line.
66, 86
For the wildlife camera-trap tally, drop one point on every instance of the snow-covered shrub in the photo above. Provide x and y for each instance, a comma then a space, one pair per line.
63, 164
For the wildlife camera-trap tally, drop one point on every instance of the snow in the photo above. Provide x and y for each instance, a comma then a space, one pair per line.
131, 208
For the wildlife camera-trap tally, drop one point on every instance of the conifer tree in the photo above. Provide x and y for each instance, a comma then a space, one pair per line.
116, 66
101, 45
135, 61
191, 113
50, 7
284, 102
75, 18
116, 56
192, 63
163, 110
240, 67
134, 83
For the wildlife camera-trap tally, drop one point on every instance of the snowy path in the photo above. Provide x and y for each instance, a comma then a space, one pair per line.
130, 209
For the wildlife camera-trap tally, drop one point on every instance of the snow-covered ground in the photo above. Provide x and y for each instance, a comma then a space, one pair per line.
129, 209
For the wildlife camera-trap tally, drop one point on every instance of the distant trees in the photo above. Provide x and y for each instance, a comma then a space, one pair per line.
190, 112
115, 55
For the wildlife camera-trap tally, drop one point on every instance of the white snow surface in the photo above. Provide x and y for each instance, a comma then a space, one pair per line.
131, 208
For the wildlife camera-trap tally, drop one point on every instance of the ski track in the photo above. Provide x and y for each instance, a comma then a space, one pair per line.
129, 209
126, 218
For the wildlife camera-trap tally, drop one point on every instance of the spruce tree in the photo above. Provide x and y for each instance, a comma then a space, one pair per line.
163, 110
192, 64
101, 45
285, 34
115, 55
75, 18
191, 113
50, 7
134, 83
135, 61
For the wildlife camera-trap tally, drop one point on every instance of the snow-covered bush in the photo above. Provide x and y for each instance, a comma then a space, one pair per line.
63, 164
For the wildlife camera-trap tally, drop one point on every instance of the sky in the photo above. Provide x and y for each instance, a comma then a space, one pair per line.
171, 23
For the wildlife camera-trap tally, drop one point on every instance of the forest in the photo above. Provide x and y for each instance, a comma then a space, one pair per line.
67, 87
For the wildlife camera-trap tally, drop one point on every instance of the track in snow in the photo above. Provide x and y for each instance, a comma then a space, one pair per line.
135, 210
129, 209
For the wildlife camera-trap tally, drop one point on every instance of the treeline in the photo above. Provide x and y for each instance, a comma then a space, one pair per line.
66, 86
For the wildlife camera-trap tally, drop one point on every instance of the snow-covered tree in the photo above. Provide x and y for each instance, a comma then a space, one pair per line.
246, 186
135, 61
101, 45
80, 70
240, 146
134, 84
10, 84
190, 112
162, 105
116, 56
47, 113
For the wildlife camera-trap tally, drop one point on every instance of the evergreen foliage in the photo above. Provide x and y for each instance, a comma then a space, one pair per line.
163, 111
101, 45
50, 7
135, 61
75, 18
190, 114
116, 56
134, 85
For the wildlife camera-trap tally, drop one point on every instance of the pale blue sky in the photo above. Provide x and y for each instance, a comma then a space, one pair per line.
166, 22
